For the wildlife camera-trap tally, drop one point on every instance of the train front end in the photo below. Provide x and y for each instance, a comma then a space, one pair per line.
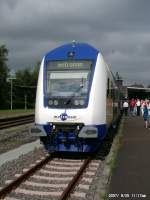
70, 112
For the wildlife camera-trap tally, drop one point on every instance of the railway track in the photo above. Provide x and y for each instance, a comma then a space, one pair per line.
16, 121
56, 177
52, 178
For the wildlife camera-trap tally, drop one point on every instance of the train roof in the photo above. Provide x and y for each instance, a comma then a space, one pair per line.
79, 51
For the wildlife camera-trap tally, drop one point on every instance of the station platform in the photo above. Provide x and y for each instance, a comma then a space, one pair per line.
131, 176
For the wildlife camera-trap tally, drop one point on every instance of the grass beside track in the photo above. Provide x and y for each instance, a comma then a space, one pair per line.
17, 112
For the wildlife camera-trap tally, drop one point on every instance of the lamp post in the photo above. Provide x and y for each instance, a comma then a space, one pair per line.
25, 102
11, 78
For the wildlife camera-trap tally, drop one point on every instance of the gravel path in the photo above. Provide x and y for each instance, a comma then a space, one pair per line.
14, 137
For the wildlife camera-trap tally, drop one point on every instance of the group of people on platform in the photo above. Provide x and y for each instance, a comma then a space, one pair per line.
138, 107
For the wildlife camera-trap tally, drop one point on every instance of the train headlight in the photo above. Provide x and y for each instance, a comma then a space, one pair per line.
76, 102
81, 102
55, 102
50, 102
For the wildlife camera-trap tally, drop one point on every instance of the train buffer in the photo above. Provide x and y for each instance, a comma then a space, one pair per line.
131, 176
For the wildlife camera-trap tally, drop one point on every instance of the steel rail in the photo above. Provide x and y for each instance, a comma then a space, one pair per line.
15, 117
8, 188
65, 195
4, 123
16, 120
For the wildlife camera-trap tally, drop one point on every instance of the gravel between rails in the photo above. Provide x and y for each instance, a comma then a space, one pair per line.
14, 137
90, 194
9, 169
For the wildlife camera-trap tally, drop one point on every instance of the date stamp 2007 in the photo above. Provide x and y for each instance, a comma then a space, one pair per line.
127, 195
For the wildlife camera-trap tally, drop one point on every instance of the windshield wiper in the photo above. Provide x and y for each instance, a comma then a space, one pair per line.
78, 90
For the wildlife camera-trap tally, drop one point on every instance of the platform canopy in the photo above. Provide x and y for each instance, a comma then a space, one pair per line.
137, 92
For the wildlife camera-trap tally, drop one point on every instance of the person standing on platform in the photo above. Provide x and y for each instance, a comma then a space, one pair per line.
135, 109
142, 106
125, 107
148, 107
138, 105
145, 115
132, 105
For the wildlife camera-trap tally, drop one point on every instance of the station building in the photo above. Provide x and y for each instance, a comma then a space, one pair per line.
133, 91
138, 92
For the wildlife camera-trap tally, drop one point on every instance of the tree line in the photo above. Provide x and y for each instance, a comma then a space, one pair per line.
22, 87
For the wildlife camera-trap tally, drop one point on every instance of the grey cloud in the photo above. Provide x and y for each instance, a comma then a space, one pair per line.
119, 29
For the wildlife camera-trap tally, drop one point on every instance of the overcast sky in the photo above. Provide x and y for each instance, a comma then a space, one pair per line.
120, 29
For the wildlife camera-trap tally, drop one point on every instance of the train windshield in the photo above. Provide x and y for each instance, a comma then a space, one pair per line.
67, 79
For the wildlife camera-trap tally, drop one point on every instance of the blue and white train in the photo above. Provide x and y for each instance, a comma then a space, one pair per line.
77, 99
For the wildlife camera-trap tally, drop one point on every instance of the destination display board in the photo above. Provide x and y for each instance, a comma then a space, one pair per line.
69, 65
